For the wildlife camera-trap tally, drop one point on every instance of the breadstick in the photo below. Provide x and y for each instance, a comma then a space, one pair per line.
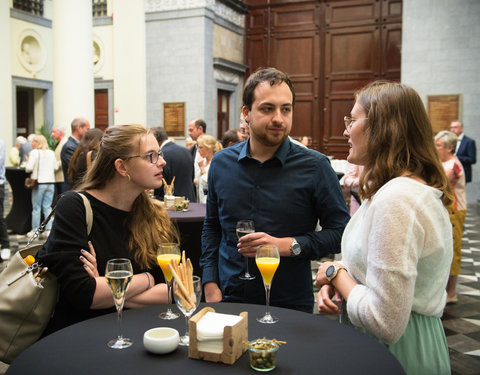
184, 301
190, 279
179, 282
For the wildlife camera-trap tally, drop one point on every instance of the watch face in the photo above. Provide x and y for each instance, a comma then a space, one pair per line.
329, 271
296, 249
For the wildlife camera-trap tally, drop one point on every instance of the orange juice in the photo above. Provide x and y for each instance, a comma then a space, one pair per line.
267, 267
163, 260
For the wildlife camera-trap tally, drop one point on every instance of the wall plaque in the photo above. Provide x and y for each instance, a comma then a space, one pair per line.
174, 119
442, 110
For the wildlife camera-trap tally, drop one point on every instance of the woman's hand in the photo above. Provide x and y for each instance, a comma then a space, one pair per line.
89, 260
324, 300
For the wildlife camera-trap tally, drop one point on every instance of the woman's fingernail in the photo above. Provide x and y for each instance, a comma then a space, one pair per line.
83, 251
82, 258
85, 266
89, 242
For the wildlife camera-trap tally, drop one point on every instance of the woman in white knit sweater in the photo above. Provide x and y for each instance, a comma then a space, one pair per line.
397, 248
43, 164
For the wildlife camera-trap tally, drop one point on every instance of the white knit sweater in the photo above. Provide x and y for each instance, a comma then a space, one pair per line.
46, 167
398, 248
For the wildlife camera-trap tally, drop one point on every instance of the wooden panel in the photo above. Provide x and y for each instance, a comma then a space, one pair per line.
257, 21
352, 51
392, 11
303, 118
299, 63
256, 48
351, 13
101, 109
295, 18
391, 51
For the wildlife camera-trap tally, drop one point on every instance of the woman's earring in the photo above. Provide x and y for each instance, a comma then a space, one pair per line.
128, 177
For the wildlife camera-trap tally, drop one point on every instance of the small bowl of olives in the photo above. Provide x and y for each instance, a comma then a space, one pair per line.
262, 354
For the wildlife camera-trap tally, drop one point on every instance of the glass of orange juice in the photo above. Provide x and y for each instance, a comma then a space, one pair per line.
267, 259
166, 252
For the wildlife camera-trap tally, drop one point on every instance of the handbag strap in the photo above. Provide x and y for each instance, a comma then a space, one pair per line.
88, 214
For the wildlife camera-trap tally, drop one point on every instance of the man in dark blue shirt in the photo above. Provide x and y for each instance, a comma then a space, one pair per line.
284, 188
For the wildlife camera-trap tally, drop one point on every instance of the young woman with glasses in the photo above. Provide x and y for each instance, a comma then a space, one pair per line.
127, 223
397, 248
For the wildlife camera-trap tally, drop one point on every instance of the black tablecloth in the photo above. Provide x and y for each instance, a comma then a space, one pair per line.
19, 219
315, 345
190, 225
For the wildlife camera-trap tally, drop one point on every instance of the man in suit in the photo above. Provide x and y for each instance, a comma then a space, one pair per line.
79, 127
466, 150
196, 128
179, 165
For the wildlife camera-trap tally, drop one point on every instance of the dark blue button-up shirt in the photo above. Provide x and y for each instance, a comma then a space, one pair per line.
285, 196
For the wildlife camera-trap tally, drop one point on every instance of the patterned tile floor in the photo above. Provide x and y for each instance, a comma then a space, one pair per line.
461, 321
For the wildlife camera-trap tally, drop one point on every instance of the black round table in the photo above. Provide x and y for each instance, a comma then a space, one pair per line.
315, 345
190, 225
19, 219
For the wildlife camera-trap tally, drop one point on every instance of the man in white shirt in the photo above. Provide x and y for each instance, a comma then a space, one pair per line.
58, 133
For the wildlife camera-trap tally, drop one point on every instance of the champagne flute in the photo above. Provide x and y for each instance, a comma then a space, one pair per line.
245, 227
166, 252
267, 259
118, 275
186, 308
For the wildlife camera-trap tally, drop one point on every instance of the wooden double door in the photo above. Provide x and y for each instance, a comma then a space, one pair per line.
329, 49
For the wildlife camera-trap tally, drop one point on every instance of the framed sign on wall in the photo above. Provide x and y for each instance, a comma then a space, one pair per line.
174, 119
442, 110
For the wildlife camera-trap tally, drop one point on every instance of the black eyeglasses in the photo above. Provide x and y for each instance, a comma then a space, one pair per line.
152, 156
349, 122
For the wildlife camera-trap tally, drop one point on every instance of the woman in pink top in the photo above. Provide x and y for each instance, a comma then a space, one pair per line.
446, 143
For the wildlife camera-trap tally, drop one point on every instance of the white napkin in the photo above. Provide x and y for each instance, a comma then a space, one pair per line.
210, 330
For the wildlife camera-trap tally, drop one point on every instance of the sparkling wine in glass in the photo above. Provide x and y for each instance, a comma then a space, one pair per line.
188, 307
165, 252
245, 227
267, 259
118, 274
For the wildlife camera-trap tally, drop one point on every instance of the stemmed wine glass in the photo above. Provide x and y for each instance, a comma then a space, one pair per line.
245, 227
118, 274
267, 259
186, 308
165, 252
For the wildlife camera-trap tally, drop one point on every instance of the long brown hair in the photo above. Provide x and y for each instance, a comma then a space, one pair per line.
148, 220
399, 138
90, 141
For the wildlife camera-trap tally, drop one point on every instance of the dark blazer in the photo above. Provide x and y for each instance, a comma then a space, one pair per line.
65, 156
179, 164
193, 150
467, 154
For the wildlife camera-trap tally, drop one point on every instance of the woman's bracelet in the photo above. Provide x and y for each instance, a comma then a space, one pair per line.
148, 278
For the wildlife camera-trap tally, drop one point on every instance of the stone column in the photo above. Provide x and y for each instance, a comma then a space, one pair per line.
73, 86
129, 85
8, 132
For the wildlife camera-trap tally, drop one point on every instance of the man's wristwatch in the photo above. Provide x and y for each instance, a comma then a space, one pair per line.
332, 271
295, 248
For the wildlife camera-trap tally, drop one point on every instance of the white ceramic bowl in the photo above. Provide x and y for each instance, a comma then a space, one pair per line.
161, 340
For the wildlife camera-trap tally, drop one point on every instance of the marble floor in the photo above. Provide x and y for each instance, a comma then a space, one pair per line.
461, 321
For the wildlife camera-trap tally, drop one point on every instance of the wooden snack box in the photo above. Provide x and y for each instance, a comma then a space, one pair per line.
234, 340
